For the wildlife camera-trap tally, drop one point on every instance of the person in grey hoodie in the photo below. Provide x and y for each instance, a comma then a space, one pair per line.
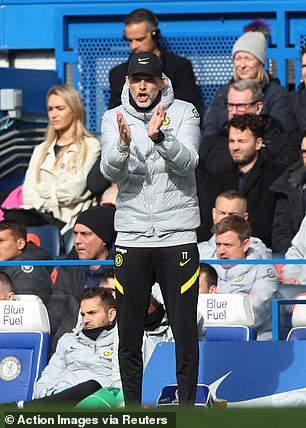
87, 354
259, 282
83, 362
296, 273
150, 149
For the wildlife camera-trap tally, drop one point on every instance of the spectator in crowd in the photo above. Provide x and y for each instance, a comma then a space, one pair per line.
156, 329
229, 203
11, 198
206, 198
208, 279
83, 362
55, 181
6, 287
109, 196
246, 97
290, 209
249, 57
27, 279
96, 183
258, 282
107, 280
156, 217
297, 101
93, 236
142, 33
296, 273
250, 173
106, 192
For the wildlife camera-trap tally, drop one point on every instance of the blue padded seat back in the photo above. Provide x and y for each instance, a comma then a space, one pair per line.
23, 356
169, 396
49, 237
230, 333
226, 317
297, 333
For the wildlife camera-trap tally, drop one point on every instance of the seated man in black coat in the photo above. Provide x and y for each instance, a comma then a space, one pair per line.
250, 173
142, 34
27, 279
246, 97
93, 236
290, 210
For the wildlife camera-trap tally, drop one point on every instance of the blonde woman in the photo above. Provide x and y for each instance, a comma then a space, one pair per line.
55, 180
249, 58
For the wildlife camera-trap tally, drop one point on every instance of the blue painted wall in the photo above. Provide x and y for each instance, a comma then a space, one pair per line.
253, 374
34, 85
86, 37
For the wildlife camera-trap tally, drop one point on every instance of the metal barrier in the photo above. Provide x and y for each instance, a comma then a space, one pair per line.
276, 304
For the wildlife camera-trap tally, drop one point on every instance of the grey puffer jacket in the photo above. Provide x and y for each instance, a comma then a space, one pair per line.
297, 250
157, 189
78, 359
257, 249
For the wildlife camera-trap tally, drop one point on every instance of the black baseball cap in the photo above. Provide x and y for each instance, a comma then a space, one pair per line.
145, 63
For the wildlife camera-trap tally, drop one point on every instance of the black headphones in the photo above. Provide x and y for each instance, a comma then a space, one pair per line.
144, 15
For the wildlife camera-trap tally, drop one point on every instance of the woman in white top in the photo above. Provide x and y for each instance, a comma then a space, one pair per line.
55, 180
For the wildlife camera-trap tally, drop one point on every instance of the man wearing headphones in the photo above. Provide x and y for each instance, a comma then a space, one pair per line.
142, 33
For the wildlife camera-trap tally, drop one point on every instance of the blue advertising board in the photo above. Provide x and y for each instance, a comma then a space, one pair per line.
253, 374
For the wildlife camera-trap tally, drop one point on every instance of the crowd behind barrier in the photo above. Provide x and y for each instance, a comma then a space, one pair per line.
286, 293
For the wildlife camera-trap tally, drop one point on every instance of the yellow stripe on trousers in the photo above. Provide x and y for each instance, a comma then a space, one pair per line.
190, 281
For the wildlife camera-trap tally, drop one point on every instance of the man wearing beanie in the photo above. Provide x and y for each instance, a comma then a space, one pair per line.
249, 58
93, 236
150, 149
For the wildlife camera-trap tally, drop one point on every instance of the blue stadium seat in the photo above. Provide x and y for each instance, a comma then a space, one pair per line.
24, 346
169, 396
227, 317
230, 333
23, 356
287, 292
46, 236
298, 332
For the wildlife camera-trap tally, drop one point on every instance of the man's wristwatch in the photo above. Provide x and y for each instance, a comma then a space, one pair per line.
159, 138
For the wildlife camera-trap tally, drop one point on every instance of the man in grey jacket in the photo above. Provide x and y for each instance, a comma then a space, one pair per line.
150, 149
258, 282
87, 354
83, 363
296, 273
231, 202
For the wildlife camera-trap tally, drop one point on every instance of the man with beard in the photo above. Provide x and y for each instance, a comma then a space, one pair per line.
250, 174
244, 97
83, 361
150, 149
